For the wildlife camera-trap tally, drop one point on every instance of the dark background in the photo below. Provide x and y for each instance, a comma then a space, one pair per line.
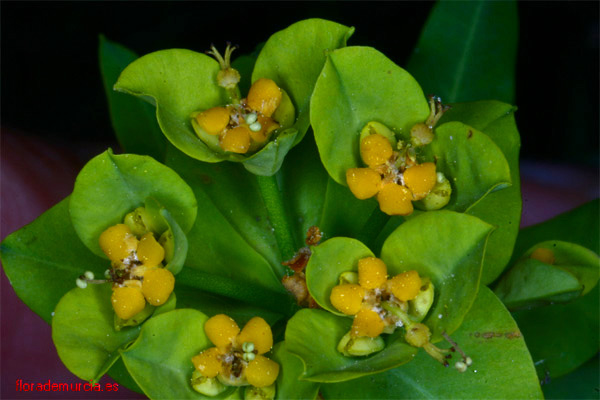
51, 83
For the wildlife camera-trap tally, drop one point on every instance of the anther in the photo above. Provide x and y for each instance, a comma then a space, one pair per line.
251, 118
255, 127
460, 366
81, 283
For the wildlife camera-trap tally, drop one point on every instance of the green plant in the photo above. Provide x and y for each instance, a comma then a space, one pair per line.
253, 211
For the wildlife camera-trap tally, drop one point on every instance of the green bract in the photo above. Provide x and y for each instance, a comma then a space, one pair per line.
84, 334
444, 246
110, 186
358, 85
501, 208
181, 82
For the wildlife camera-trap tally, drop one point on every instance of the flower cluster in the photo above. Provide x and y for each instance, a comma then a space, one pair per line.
237, 358
395, 176
137, 273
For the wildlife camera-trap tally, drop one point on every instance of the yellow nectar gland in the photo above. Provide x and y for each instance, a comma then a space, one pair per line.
375, 150
420, 179
395, 200
543, 255
264, 96
268, 125
221, 330
347, 298
158, 285
208, 362
372, 272
214, 120
258, 332
363, 182
367, 323
262, 372
117, 242
149, 251
406, 285
127, 301
236, 140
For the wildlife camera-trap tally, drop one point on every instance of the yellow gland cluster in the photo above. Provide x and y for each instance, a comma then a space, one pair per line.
247, 125
137, 273
363, 298
393, 173
237, 358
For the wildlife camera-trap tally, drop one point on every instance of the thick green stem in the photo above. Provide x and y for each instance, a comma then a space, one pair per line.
278, 302
373, 227
278, 216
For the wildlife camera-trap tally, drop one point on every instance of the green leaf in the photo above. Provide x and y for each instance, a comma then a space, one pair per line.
110, 186
532, 283
83, 332
358, 85
467, 51
561, 337
501, 208
160, 360
314, 199
233, 231
178, 82
289, 386
502, 367
582, 383
37, 265
294, 58
471, 161
133, 120
327, 262
448, 248
323, 362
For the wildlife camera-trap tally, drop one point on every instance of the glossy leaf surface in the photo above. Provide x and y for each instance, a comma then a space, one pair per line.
232, 231
489, 336
501, 208
132, 119
84, 334
160, 360
294, 58
562, 337
467, 51
471, 161
358, 85
448, 248
32, 259
532, 283
110, 186
323, 362
314, 199
289, 386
